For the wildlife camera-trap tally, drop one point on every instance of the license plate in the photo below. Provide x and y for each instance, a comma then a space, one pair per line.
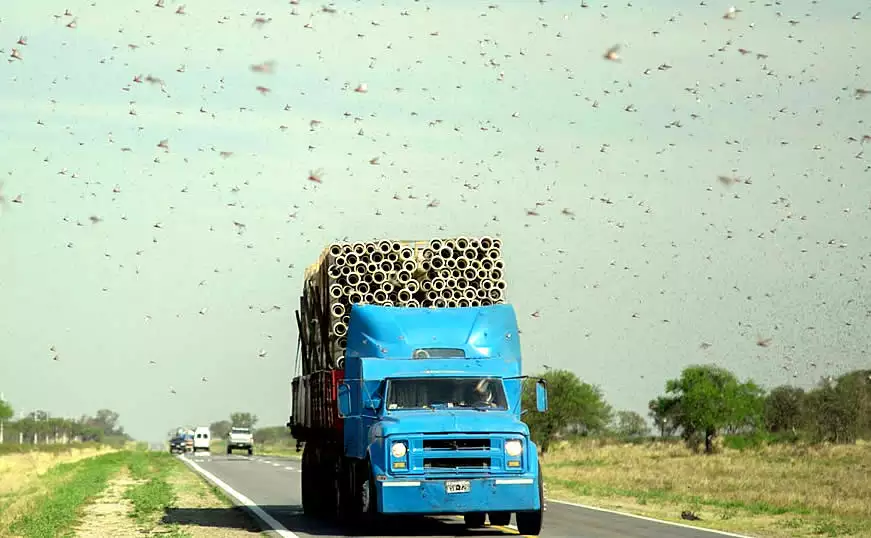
458, 486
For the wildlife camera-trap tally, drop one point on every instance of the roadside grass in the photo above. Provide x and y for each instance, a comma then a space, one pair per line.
67, 487
27, 476
787, 491
120, 493
153, 494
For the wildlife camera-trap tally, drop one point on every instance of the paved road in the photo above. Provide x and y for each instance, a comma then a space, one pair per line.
273, 484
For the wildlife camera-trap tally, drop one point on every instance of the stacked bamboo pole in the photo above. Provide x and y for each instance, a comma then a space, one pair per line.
454, 272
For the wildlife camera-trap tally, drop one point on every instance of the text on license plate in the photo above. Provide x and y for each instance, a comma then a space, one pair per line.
457, 486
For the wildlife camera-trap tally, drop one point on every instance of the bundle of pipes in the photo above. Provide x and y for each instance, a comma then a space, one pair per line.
453, 272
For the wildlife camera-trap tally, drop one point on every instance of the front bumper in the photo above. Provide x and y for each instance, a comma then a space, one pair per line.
428, 496
242, 444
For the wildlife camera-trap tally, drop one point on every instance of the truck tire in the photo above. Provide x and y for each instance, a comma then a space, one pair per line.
529, 523
360, 500
229, 450
475, 519
308, 494
250, 451
499, 518
317, 500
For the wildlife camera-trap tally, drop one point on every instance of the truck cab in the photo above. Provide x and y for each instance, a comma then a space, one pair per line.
429, 408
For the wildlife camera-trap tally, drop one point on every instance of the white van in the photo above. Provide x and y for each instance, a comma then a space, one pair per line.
202, 439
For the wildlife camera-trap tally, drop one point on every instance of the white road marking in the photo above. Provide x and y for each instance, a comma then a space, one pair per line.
270, 521
645, 518
276, 465
289, 468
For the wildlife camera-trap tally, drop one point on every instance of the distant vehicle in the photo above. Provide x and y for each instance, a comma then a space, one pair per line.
202, 438
176, 444
240, 438
182, 442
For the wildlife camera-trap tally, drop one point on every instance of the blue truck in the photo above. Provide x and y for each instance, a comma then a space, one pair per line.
410, 403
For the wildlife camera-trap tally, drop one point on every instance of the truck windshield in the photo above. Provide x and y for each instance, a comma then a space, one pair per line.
451, 392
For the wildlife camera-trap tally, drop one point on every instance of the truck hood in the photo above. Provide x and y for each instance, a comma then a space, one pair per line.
448, 421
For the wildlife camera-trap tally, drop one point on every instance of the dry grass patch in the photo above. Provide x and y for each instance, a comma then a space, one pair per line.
775, 491
19, 469
20, 479
110, 514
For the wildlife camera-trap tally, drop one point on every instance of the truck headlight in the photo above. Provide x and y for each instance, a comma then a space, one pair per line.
398, 450
513, 447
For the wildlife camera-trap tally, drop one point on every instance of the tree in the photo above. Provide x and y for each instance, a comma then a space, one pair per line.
710, 399
838, 410
571, 403
6, 412
784, 409
630, 424
220, 428
664, 412
856, 386
107, 421
748, 409
243, 420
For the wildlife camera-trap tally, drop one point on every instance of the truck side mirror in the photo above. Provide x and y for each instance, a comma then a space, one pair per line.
373, 403
541, 395
344, 400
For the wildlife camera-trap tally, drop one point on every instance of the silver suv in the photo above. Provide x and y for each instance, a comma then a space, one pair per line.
240, 438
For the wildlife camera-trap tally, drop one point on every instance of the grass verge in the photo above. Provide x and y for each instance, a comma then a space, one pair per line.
123, 493
70, 487
154, 494
778, 491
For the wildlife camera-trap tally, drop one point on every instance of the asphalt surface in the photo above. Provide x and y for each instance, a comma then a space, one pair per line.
273, 485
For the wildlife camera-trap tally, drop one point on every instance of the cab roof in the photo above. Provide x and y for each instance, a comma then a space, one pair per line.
448, 335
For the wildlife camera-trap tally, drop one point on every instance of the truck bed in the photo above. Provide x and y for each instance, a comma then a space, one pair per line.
315, 412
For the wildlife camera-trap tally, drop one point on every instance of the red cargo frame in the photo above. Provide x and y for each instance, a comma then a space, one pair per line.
315, 411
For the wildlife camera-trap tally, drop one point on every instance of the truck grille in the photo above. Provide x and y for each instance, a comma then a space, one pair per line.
446, 453
453, 464
456, 444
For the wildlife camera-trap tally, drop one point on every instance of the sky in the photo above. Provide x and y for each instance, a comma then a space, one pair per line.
639, 259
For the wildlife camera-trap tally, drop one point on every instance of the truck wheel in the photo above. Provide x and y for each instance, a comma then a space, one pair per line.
529, 523
346, 491
361, 501
370, 504
499, 518
308, 498
250, 451
229, 450
475, 519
